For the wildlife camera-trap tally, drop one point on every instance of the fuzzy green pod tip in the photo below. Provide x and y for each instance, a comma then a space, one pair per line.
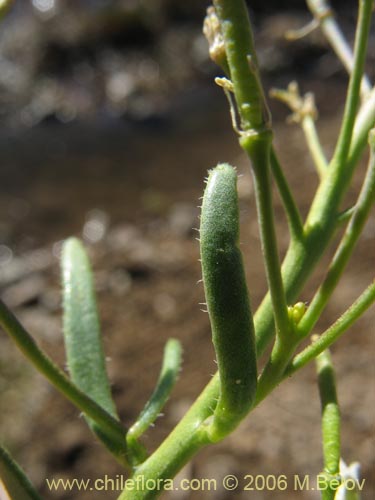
227, 300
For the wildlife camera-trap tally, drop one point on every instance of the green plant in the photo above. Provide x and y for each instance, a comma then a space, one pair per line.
238, 339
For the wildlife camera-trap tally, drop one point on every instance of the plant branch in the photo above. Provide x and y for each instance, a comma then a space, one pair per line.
326, 339
345, 249
360, 50
263, 195
292, 213
302, 256
364, 122
324, 14
242, 63
167, 379
304, 113
314, 145
255, 138
46, 366
14, 478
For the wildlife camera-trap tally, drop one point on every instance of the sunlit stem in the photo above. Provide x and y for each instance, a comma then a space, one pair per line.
324, 14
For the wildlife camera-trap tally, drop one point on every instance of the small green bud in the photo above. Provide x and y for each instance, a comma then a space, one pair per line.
296, 312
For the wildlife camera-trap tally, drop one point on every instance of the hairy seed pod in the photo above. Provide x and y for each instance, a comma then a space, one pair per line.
227, 300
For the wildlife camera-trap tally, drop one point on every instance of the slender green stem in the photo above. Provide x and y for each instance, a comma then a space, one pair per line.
183, 442
330, 413
364, 122
323, 12
345, 216
291, 209
241, 57
260, 157
167, 379
314, 145
351, 105
304, 113
46, 366
14, 478
362, 209
255, 138
281, 354
326, 339
339, 174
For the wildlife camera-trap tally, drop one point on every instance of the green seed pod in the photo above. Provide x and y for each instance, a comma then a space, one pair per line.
227, 300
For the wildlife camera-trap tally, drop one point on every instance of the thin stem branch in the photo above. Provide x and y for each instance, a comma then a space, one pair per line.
263, 196
326, 339
352, 101
46, 366
314, 145
345, 216
242, 62
346, 247
291, 209
255, 137
364, 122
14, 478
304, 113
301, 259
324, 14
281, 355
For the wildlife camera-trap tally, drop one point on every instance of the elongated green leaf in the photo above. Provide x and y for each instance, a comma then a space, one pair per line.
83, 343
167, 379
81, 328
14, 479
227, 300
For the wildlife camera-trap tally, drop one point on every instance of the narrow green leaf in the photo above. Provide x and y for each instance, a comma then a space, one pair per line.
167, 379
84, 352
14, 478
81, 328
227, 300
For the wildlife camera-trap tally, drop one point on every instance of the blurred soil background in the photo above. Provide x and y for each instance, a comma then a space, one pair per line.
109, 122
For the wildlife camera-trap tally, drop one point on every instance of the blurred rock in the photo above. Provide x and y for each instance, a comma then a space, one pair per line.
183, 218
24, 293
